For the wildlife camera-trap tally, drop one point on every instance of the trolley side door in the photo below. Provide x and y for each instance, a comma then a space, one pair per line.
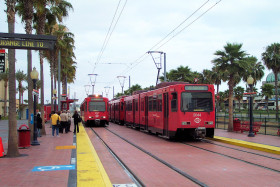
146, 112
165, 114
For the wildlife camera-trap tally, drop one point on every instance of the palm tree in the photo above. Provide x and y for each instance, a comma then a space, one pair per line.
232, 63
271, 59
20, 76
5, 77
13, 139
60, 10
238, 93
25, 10
40, 7
215, 77
267, 92
207, 76
180, 74
133, 88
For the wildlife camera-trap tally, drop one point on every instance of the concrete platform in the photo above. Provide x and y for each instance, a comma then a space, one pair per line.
266, 143
53, 162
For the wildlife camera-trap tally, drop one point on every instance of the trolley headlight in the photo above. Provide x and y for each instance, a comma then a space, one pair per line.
103, 117
208, 122
186, 122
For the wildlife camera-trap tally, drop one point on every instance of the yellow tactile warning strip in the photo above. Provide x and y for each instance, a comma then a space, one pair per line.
90, 171
66, 147
250, 145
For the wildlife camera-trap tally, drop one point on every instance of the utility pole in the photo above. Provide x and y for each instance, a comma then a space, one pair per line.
129, 82
87, 87
58, 81
107, 88
92, 81
121, 80
158, 64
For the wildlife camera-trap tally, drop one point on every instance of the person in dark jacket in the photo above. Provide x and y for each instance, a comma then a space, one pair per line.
76, 117
39, 124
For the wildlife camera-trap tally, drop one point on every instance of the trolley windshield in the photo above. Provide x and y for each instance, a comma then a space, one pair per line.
196, 102
97, 106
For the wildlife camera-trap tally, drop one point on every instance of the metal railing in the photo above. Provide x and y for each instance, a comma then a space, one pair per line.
269, 126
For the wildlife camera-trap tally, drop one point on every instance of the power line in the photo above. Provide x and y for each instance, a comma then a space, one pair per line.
109, 34
180, 24
190, 24
144, 56
103, 45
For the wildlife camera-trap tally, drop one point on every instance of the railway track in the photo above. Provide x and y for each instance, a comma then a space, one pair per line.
140, 183
262, 155
235, 158
134, 178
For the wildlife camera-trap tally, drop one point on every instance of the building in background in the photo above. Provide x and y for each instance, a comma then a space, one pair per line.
3, 67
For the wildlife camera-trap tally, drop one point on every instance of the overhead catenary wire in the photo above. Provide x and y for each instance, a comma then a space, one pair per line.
144, 56
109, 33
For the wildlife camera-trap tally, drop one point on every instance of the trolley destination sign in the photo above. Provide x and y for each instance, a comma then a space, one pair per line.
27, 41
21, 44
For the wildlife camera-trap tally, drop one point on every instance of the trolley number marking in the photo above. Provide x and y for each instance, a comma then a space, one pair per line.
53, 168
197, 115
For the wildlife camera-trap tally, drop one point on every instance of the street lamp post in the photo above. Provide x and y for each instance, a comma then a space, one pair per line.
54, 98
92, 81
121, 80
250, 82
34, 76
107, 88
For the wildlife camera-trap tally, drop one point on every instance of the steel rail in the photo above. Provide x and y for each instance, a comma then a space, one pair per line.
137, 181
162, 161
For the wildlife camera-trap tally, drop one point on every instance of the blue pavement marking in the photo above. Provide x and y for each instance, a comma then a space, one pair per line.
53, 168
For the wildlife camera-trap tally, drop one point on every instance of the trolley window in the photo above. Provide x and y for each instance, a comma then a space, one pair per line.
150, 103
196, 101
174, 102
154, 103
136, 105
159, 103
97, 106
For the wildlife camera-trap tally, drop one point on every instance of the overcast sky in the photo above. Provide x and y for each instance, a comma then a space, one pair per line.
143, 24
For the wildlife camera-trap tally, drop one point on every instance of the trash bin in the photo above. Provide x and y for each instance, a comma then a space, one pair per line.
23, 136
236, 124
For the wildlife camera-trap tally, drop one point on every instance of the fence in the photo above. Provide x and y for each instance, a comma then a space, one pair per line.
269, 125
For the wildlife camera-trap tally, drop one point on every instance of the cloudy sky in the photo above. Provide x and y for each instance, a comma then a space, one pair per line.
141, 26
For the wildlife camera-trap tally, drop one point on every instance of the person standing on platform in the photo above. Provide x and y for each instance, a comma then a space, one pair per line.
69, 121
39, 124
64, 121
55, 119
76, 117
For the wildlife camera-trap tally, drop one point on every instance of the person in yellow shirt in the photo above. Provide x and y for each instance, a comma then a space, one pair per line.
55, 118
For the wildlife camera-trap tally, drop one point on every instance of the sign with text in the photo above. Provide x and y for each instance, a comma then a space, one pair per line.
26, 44
35, 92
2, 61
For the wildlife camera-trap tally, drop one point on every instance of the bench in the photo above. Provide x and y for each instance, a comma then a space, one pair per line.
245, 126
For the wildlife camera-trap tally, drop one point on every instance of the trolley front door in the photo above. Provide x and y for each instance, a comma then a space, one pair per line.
165, 113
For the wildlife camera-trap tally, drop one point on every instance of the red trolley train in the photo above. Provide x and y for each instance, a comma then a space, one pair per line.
179, 109
94, 110
117, 110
